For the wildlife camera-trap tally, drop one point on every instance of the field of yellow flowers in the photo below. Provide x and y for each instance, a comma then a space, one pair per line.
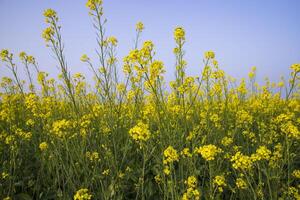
207, 137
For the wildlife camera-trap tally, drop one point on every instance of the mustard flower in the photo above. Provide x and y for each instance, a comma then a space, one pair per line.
186, 152
226, 141
296, 173
140, 132
112, 40
179, 34
121, 87
167, 171
4, 175
84, 58
208, 152
139, 27
262, 153
220, 182
106, 172
61, 128
240, 161
43, 146
157, 179
83, 194
50, 13
209, 55
191, 193
4, 54
156, 69
191, 182
170, 155
295, 67
48, 34
93, 4
240, 183
92, 156
22, 55
276, 156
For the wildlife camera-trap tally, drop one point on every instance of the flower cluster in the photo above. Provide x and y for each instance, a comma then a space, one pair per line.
209, 55
140, 132
61, 128
170, 155
240, 183
139, 27
262, 153
208, 152
179, 34
83, 194
191, 192
93, 4
220, 182
92, 156
43, 146
241, 161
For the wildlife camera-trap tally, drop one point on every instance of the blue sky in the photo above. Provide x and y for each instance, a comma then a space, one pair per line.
243, 34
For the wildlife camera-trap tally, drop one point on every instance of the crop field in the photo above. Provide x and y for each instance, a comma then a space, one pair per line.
140, 137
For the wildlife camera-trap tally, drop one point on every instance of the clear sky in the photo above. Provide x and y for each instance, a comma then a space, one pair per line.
243, 33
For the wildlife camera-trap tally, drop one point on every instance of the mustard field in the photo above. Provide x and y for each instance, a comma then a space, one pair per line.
207, 136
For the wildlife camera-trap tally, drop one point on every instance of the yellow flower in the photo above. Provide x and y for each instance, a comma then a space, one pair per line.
208, 152
83, 194
22, 55
61, 128
48, 34
106, 172
252, 73
4, 54
296, 67
121, 87
4, 175
93, 4
112, 40
43, 146
139, 27
186, 152
191, 182
156, 69
157, 179
226, 141
276, 157
49, 13
296, 173
121, 175
241, 161
280, 84
191, 193
84, 58
220, 182
31, 59
209, 55
179, 34
140, 132
293, 191
290, 130
92, 156
170, 155
262, 153
167, 170
240, 183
